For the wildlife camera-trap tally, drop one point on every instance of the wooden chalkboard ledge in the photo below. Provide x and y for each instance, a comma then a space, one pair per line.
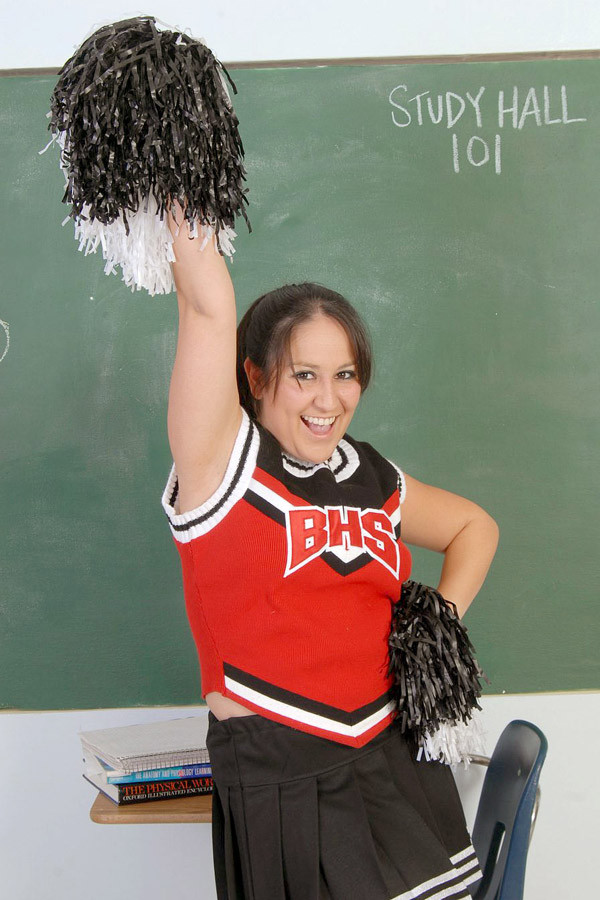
516, 56
160, 812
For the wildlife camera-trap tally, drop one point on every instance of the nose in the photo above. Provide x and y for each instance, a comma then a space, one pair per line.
326, 396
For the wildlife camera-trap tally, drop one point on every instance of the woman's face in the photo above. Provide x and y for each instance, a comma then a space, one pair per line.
310, 408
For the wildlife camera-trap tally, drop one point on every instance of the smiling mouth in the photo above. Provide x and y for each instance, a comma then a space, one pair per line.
317, 425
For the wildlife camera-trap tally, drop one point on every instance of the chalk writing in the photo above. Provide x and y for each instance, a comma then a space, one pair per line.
535, 106
531, 107
479, 156
7, 333
453, 105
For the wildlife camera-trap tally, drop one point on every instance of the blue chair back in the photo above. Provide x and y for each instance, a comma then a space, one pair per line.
504, 814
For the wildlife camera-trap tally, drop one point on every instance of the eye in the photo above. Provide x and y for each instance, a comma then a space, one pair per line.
346, 374
303, 375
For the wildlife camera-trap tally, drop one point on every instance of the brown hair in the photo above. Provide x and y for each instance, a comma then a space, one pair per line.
265, 332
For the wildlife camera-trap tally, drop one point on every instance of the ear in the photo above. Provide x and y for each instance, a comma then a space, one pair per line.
254, 376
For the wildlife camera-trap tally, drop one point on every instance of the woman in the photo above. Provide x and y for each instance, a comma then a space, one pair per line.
288, 532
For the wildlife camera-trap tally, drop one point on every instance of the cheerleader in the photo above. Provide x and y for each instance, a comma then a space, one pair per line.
289, 533
336, 687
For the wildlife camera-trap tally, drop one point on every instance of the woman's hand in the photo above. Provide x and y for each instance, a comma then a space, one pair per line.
458, 528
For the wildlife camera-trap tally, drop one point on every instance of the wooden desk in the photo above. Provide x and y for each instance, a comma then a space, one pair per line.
159, 812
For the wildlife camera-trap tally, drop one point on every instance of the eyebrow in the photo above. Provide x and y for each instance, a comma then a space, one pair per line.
304, 365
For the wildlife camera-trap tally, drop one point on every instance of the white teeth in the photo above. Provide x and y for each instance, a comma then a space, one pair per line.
314, 421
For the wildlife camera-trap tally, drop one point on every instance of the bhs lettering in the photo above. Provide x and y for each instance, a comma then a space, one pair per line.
342, 530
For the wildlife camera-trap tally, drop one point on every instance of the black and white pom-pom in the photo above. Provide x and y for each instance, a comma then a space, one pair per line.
436, 676
143, 118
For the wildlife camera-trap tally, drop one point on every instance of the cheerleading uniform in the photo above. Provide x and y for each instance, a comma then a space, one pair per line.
290, 570
289, 574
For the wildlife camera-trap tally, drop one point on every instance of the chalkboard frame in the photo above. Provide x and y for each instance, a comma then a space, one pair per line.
369, 61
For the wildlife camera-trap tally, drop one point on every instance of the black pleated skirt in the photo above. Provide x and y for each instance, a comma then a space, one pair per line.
298, 817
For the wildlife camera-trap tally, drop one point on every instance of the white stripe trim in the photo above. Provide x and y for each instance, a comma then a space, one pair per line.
441, 895
468, 867
352, 464
452, 890
307, 718
438, 881
476, 876
270, 496
468, 851
402, 480
303, 469
300, 470
187, 535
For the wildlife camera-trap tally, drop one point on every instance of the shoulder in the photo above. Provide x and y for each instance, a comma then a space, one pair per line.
198, 521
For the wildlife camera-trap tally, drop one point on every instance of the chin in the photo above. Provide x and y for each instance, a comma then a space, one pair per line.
320, 453
311, 450
317, 457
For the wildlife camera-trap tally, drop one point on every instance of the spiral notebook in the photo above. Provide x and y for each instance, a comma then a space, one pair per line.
129, 748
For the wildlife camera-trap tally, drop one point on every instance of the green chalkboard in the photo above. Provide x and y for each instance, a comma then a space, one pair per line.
472, 246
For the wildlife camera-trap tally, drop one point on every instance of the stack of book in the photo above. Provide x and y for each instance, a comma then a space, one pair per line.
156, 761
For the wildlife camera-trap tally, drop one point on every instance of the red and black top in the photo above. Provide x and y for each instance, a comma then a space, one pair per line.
289, 573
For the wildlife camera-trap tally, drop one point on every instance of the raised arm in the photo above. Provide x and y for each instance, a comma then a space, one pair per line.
204, 413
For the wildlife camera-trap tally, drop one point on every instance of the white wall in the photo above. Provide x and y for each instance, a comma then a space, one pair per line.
38, 34
48, 846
